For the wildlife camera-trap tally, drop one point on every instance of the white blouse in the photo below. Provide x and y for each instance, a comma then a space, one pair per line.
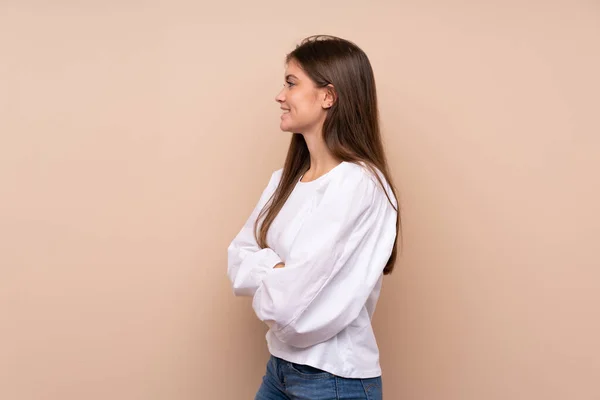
335, 235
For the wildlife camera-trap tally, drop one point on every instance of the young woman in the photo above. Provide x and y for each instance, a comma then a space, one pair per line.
314, 250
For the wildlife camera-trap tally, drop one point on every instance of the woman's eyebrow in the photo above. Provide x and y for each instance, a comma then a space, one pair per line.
290, 76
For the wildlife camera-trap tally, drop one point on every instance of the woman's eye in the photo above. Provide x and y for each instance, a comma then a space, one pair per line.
290, 84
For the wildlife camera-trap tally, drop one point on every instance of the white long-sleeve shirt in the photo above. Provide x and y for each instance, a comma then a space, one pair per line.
335, 235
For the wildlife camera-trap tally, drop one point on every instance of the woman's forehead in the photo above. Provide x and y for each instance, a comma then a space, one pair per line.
292, 68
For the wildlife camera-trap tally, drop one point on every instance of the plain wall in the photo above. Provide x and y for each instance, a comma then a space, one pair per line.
136, 137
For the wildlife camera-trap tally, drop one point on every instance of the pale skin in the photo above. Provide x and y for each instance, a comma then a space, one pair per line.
305, 107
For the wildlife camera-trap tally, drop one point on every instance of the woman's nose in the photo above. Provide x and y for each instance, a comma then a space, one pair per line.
280, 98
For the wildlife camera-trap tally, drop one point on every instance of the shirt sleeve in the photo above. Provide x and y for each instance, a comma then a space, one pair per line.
247, 263
334, 263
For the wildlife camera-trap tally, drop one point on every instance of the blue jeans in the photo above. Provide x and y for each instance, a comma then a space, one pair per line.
285, 380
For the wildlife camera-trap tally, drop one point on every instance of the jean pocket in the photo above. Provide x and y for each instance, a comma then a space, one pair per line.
306, 371
373, 388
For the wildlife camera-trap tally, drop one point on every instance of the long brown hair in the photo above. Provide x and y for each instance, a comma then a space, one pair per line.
351, 127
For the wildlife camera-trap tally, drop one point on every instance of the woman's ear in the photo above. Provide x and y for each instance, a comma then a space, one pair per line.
330, 96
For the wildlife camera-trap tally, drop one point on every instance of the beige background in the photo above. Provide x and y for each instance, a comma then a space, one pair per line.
137, 136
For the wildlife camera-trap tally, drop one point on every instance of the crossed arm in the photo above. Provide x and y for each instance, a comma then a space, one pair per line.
337, 259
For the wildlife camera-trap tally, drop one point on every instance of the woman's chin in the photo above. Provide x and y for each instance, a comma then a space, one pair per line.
285, 127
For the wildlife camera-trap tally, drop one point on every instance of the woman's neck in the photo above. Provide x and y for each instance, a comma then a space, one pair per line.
321, 159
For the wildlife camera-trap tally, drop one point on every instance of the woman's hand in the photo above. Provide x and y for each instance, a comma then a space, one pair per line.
280, 265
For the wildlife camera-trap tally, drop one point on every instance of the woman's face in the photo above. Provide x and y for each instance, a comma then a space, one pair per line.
303, 105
